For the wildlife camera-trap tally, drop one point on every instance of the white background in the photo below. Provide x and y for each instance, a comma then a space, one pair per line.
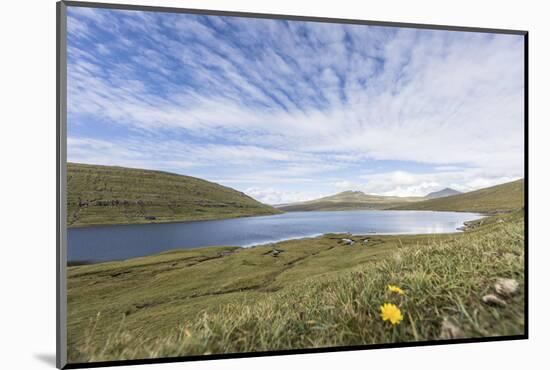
27, 185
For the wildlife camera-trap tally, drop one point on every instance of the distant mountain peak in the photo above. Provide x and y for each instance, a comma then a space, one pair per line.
352, 192
446, 192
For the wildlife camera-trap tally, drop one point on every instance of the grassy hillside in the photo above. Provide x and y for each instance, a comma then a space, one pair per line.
317, 292
100, 195
349, 200
504, 197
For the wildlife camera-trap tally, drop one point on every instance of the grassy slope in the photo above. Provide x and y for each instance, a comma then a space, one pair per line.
117, 195
349, 200
316, 293
502, 197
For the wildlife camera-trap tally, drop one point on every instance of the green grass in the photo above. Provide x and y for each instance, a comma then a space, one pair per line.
99, 195
349, 201
504, 197
316, 293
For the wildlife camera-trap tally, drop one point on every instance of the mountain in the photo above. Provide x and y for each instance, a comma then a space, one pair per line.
100, 195
504, 197
348, 200
443, 193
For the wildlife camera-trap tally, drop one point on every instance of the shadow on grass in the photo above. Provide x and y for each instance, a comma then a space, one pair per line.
47, 358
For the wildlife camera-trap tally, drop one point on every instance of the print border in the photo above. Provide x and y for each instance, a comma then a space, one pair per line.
61, 170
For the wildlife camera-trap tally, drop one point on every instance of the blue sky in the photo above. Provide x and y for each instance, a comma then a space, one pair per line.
290, 111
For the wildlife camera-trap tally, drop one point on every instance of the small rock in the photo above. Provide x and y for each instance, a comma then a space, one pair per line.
506, 287
275, 252
450, 330
493, 300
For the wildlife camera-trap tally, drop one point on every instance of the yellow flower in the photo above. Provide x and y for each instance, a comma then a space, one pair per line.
390, 312
396, 289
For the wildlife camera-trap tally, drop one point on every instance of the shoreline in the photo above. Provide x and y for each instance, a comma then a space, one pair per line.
484, 214
467, 225
157, 222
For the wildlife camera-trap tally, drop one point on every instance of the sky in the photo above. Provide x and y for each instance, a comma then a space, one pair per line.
289, 111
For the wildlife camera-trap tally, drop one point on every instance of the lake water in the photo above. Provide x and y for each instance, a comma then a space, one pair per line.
107, 243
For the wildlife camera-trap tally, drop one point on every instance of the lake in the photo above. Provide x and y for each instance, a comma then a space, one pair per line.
118, 242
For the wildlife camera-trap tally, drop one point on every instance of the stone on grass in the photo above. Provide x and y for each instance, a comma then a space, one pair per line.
506, 287
450, 330
275, 252
493, 300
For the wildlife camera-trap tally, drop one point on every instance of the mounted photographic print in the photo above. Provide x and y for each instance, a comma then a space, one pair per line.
236, 184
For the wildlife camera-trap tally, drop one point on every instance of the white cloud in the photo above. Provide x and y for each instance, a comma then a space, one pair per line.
243, 165
402, 183
275, 196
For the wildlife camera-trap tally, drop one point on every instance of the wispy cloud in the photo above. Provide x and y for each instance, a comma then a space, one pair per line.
250, 100
419, 184
270, 195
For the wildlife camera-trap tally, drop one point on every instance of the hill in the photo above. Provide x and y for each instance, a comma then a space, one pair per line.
100, 195
443, 193
504, 197
349, 200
